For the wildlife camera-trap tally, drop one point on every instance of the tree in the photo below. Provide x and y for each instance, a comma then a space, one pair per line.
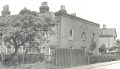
93, 45
102, 49
25, 29
118, 42
27, 11
113, 48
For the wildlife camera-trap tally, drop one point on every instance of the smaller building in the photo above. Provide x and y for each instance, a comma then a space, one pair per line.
108, 37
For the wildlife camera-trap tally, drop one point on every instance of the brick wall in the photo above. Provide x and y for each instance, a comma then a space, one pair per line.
78, 26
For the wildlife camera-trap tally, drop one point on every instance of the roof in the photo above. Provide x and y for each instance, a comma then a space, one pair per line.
77, 18
7, 17
108, 31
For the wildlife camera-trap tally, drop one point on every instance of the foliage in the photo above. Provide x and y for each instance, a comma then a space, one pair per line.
25, 29
37, 65
102, 49
118, 42
24, 58
89, 53
27, 11
113, 48
93, 45
101, 58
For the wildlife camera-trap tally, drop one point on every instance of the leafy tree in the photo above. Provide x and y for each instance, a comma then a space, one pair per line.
118, 42
25, 29
113, 48
27, 11
93, 45
102, 49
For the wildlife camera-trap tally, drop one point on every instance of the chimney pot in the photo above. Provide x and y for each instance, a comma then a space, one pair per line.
62, 10
104, 26
62, 7
44, 4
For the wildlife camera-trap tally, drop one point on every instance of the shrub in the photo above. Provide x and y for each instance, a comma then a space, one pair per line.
101, 58
38, 65
18, 59
89, 53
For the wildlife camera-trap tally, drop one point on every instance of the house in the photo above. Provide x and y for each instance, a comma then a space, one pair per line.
72, 32
108, 37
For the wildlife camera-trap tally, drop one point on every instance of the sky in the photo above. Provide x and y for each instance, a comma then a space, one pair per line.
98, 11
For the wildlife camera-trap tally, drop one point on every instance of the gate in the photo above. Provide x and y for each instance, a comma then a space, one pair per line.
70, 57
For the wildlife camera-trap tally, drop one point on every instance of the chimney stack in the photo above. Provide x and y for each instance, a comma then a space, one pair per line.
44, 7
62, 7
104, 26
73, 14
5, 11
63, 10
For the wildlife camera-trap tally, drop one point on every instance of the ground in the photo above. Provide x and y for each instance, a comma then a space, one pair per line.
105, 65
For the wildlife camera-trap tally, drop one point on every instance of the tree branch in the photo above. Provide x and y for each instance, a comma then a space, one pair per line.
14, 40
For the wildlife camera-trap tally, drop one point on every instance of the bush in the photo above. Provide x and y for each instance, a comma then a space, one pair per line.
38, 65
18, 59
89, 53
101, 58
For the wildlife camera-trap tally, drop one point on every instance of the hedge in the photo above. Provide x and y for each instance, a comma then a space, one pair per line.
100, 58
23, 59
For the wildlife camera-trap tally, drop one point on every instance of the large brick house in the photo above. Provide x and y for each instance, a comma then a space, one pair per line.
75, 32
71, 31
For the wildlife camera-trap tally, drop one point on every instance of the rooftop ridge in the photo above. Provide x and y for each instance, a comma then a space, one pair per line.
78, 18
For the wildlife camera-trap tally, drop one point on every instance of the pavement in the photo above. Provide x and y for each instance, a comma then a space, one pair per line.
95, 66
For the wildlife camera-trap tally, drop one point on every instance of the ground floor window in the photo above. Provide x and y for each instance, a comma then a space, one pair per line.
51, 51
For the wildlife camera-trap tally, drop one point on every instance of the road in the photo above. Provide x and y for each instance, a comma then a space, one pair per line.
111, 66
105, 65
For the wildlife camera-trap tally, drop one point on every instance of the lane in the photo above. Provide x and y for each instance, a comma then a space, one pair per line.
112, 66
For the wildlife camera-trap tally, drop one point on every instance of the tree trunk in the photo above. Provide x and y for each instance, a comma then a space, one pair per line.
15, 52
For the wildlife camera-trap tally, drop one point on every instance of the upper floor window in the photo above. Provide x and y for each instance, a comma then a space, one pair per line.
83, 36
93, 37
114, 38
71, 34
71, 47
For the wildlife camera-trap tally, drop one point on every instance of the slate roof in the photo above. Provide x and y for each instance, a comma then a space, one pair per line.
77, 18
109, 31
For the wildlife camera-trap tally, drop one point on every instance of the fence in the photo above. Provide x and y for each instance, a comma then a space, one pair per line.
70, 57
24, 58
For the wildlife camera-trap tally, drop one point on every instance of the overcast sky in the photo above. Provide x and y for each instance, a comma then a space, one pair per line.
98, 11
